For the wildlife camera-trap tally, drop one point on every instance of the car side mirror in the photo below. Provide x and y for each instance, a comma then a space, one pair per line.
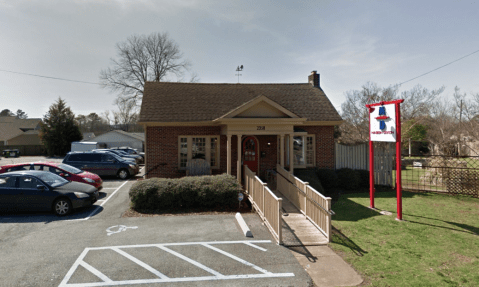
41, 187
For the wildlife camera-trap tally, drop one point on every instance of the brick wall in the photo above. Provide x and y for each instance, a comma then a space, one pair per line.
162, 149
324, 144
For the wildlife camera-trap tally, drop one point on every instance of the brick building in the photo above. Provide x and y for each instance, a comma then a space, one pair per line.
260, 124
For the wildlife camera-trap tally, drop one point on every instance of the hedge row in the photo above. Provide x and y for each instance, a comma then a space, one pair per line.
187, 192
345, 178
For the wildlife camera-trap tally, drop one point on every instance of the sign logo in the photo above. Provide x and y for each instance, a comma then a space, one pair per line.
382, 117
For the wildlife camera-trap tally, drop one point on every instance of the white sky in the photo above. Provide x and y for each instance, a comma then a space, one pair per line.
348, 42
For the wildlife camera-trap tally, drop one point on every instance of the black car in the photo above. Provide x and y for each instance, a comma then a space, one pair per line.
43, 191
102, 163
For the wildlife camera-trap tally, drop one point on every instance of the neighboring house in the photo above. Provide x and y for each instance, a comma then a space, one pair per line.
15, 131
87, 136
260, 124
118, 138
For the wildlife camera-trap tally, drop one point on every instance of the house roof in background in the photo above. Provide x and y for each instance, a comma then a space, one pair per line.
191, 102
11, 127
137, 136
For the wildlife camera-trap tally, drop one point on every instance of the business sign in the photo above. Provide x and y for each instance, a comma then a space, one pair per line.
385, 126
382, 121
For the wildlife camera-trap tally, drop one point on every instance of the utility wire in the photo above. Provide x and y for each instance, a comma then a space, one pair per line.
438, 68
61, 79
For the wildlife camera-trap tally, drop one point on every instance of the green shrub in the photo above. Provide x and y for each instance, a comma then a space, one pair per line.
187, 192
328, 178
348, 179
363, 178
310, 176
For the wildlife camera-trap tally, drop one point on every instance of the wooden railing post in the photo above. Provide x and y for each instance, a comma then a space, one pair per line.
280, 221
263, 185
328, 224
305, 196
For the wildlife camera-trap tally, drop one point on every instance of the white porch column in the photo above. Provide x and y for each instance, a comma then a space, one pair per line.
228, 154
239, 160
291, 155
281, 148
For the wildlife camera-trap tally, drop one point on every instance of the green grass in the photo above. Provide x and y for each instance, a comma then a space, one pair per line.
436, 245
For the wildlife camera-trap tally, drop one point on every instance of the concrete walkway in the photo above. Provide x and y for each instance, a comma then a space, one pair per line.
309, 247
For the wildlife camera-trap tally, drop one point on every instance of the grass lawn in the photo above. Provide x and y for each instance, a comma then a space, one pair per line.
436, 245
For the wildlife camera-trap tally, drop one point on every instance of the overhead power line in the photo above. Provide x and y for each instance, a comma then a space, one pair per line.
54, 78
439, 67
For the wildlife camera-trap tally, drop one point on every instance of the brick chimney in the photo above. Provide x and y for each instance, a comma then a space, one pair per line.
313, 79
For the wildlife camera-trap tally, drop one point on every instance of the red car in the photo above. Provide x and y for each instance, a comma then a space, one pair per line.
66, 171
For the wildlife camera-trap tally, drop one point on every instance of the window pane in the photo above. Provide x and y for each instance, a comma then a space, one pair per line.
183, 151
298, 151
7, 181
213, 152
309, 150
198, 149
28, 182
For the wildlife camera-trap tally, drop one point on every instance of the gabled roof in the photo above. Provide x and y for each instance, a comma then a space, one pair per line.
138, 136
193, 102
11, 127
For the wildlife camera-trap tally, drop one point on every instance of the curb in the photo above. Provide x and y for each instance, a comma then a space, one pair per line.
243, 225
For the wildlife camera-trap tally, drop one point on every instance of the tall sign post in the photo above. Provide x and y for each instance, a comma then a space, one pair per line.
385, 126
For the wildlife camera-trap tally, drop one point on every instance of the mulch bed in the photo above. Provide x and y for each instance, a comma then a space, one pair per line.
186, 211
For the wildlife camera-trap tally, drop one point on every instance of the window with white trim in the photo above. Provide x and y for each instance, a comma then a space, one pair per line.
303, 151
193, 147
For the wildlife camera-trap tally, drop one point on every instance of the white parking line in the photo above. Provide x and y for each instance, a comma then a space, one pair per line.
98, 206
163, 278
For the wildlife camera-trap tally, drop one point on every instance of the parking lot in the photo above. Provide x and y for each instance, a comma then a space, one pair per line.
111, 185
96, 246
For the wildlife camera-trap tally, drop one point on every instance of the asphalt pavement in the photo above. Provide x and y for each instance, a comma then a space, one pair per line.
97, 247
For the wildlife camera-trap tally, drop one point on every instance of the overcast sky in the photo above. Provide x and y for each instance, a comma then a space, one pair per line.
348, 42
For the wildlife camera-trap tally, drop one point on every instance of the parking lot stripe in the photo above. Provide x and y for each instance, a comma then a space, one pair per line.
257, 247
142, 264
98, 206
96, 272
218, 276
183, 243
237, 259
196, 263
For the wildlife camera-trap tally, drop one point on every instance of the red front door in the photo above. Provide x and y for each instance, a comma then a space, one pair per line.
250, 153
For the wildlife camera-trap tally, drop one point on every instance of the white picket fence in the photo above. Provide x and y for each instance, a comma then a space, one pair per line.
357, 157
315, 206
267, 204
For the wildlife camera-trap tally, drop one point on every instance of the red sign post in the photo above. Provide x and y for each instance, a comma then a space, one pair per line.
385, 126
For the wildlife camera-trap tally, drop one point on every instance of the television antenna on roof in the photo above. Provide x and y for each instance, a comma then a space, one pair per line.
239, 69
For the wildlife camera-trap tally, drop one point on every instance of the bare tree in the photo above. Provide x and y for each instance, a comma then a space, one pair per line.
143, 58
356, 117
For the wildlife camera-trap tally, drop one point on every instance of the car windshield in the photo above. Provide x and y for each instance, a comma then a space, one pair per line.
116, 156
52, 179
70, 169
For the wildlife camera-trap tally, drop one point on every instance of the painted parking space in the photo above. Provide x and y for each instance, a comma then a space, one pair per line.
167, 263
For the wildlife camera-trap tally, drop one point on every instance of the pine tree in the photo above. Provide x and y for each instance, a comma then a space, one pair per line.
59, 129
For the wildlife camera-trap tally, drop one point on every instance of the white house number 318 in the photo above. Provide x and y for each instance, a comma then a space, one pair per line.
260, 128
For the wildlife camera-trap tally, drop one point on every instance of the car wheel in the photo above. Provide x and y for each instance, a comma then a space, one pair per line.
123, 174
62, 206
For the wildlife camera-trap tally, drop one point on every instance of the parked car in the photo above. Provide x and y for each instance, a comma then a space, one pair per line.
43, 191
116, 153
66, 171
130, 151
102, 163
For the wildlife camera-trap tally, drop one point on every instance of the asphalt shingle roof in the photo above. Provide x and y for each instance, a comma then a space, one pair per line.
185, 102
11, 127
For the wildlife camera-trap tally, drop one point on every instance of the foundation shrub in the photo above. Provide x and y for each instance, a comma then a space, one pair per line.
328, 177
363, 178
187, 192
348, 179
310, 176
